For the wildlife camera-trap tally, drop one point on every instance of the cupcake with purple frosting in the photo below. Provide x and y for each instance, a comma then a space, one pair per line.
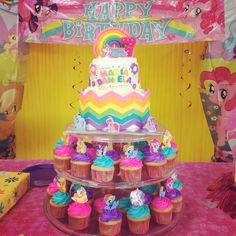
111, 218
81, 161
155, 164
176, 198
115, 156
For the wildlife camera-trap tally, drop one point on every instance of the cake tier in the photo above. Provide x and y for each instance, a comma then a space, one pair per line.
105, 70
128, 107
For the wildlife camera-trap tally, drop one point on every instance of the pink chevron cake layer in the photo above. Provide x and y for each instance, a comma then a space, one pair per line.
128, 107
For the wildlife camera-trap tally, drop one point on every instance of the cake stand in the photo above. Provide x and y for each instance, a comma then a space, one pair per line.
117, 187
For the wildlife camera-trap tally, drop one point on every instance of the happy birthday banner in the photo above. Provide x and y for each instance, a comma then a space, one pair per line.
150, 22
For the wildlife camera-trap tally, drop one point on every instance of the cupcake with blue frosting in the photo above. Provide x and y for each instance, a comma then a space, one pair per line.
138, 214
59, 202
102, 169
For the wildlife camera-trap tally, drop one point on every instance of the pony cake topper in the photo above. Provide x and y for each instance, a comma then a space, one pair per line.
114, 42
167, 137
112, 126
110, 202
80, 196
79, 122
151, 124
129, 151
61, 184
137, 197
154, 146
81, 147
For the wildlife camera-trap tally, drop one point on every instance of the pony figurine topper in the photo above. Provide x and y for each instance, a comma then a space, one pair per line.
151, 124
154, 146
129, 151
81, 147
80, 196
162, 192
137, 197
112, 126
110, 202
79, 122
170, 182
101, 150
167, 137
61, 184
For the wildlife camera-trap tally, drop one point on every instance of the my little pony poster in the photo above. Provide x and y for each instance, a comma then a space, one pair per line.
12, 63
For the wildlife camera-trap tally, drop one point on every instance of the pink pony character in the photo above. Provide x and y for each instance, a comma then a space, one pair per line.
220, 84
112, 126
154, 145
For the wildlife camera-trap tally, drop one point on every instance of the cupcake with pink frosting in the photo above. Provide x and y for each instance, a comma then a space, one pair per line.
79, 210
162, 209
52, 188
130, 166
62, 155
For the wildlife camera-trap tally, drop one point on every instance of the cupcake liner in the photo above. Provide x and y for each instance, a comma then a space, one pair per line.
117, 167
171, 161
162, 217
124, 217
155, 170
78, 222
139, 226
131, 174
58, 211
80, 169
62, 163
177, 204
110, 228
102, 175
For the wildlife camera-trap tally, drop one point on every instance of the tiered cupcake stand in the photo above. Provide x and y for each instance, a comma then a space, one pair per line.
117, 187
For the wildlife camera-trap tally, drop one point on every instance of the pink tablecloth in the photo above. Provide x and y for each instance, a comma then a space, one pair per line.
28, 218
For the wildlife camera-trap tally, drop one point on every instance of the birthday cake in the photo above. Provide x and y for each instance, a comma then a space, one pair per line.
114, 98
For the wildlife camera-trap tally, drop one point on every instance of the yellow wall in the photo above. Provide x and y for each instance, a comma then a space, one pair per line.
48, 93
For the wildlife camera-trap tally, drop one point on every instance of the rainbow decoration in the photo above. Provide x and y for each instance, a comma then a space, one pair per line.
111, 37
128, 111
7, 2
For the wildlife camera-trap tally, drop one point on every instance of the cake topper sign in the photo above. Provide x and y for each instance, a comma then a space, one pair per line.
114, 42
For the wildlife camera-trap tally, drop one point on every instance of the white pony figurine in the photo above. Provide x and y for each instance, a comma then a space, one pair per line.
80, 123
137, 197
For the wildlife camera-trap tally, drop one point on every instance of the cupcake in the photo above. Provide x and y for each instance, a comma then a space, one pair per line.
102, 169
81, 164
162, 208
131, 169
59, 201
176, 198
62, 156
75, 187
115, 156
170, 155
124, 205
138, 214
52, 189
140, 155
98, 207
79, 210
155, 164
111, 218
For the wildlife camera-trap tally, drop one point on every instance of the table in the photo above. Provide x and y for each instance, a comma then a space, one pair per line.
28, 218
